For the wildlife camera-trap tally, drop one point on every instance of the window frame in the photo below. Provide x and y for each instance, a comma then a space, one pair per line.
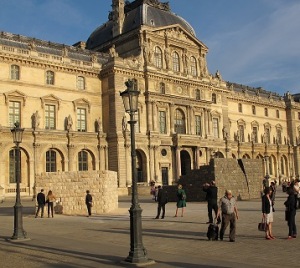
14, 117
15, 72
179, 122
50, 78
193, 66
198, 125
158, 57
51, 161
162, 123
48, 117
175, 62
83, 160
79, 121
81, 83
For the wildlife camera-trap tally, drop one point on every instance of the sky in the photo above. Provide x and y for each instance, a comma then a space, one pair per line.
251, 42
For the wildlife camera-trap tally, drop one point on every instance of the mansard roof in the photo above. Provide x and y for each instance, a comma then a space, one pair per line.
27, 43
151, 13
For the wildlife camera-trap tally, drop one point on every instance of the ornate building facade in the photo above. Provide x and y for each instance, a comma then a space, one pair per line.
67, 99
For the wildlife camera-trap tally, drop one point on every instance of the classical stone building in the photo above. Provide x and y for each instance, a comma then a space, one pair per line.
67, 99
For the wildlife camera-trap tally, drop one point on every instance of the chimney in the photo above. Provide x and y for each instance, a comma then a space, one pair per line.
118, 16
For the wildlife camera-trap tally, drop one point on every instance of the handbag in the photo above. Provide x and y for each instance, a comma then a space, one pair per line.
262, 226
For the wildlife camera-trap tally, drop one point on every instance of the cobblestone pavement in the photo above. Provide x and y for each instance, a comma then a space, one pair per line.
103, 240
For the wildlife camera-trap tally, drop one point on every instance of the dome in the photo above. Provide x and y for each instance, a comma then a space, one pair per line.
138, 13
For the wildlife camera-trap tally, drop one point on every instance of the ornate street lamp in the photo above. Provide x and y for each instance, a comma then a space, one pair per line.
137, 253
19, 233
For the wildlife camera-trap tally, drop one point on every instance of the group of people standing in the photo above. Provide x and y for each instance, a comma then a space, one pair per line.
42, 200
268, 202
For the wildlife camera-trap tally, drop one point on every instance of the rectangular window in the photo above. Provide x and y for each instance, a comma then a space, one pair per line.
241, 134
12, 166
50, 161
277, 114
80, 82
255, 134
215, 122
198, 125
253, 109
50, 116
279, 138
162, 122
266, 112
81, 119
14, 113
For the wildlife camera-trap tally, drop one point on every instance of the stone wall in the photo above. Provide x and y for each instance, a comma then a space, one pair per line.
243, 177
70, 188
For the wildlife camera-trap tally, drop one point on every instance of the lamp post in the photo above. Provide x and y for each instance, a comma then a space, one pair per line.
137, 253
19, 232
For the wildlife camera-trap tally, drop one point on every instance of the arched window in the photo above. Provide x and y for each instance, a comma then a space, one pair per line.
50, 78
51, 161
193, 66
158, 57
266, 112
240, 108
15, 72
277, 114
198, 94
176, 64
12, 166
214, 98
80, 82
82, 161
162, 88
179, 124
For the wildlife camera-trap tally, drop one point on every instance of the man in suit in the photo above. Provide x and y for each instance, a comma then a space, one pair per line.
162, 200
41, 200
89, 202
212, 200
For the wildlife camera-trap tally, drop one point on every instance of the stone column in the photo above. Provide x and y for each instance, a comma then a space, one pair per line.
151, 163
209, 122
172, 118
149, 121
154, 115
205, 133
70, 157
178, 162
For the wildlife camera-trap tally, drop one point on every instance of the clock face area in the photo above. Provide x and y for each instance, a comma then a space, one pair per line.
179, 90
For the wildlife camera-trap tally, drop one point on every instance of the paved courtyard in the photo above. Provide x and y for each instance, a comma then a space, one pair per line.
103, 240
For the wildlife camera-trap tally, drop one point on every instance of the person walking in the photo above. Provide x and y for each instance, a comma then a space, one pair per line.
228, 207
290, 205
89, 202
162, 200
212, 200
181, 200
41, 200
50, 200
267, 210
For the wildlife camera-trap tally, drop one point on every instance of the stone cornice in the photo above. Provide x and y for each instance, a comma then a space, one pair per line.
44, 64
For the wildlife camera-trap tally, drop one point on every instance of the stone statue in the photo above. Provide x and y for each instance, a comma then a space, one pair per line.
167, 57
94, 58
98, 125
203, 65
225, 133
65, 52
35, 120
124, 123
32, 46
112, 51
218, 75
185, 60
69, 122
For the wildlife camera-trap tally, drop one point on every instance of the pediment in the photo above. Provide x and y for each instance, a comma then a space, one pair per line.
177, 32
50, 99
82, 102
13, 95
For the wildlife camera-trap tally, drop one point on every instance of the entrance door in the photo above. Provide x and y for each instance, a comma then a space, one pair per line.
165, 175
185, 162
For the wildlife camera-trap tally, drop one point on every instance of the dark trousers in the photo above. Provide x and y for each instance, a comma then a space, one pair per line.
89, 208
159, 208
40, 207
226, 219
292, 223
50, 208
212, 206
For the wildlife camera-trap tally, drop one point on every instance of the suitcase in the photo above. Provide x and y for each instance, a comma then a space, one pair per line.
213, 232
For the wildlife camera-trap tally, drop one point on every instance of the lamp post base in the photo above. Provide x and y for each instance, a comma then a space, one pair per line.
19, 233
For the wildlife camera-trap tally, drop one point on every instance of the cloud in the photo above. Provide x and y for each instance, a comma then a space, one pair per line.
265, 49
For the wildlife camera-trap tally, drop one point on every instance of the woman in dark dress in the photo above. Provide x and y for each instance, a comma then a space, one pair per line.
181, 200
290, 205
